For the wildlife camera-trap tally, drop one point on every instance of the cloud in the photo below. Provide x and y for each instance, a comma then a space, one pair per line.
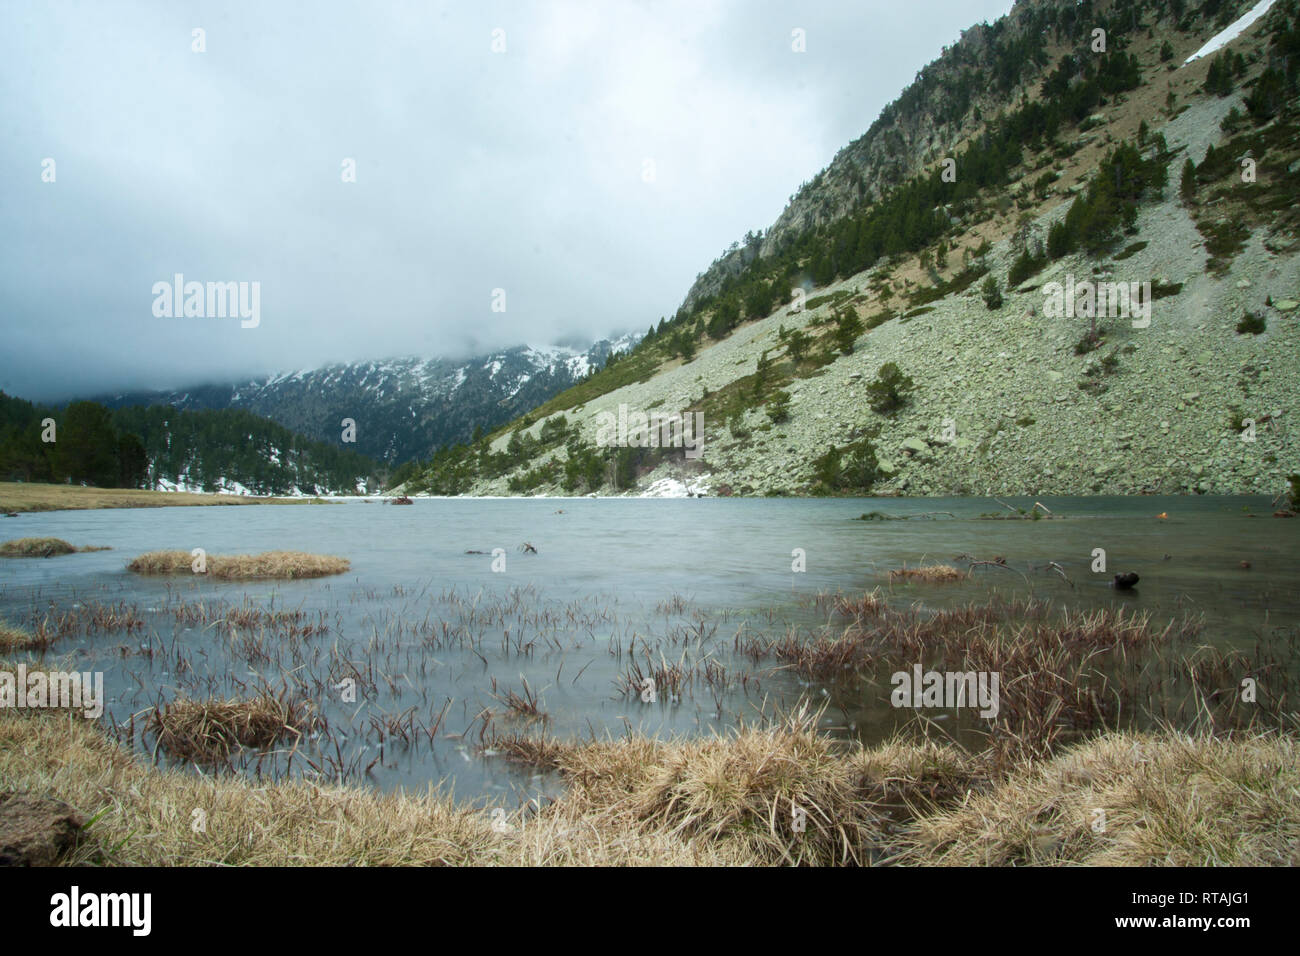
524, 170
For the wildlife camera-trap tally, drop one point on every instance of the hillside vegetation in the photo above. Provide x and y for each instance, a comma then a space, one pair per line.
899, 335
163, 447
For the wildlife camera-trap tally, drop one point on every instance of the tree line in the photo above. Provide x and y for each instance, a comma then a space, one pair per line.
139, 447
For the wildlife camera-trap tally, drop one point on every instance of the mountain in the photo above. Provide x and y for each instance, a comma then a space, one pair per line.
905, 325
403, 408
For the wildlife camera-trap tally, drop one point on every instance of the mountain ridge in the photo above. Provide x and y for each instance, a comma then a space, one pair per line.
403, 408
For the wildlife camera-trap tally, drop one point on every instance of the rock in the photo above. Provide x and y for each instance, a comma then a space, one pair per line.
915, 445
1286, 305
35, 831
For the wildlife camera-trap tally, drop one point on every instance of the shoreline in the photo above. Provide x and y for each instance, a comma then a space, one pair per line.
20, 497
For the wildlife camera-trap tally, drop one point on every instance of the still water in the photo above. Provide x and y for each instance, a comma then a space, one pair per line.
438, 640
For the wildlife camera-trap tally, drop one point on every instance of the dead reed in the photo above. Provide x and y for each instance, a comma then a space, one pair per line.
14, 638
525, 705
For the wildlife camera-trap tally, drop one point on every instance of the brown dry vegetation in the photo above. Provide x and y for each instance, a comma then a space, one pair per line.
34, 496
934, 573
243, 567
19, 639
42, 548
1169, 800
207, 731
1063, 673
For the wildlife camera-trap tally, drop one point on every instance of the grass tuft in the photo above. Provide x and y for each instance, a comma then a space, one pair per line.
934, 573
208, 731
41, 548
20, 639
243, 567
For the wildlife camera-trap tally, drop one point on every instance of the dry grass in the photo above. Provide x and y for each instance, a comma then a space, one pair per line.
207, 731
933, 573
20, 639
1061, 674
1167, 800
750, 792
721, 801
243, 567
868, 605
41, 548
34, 496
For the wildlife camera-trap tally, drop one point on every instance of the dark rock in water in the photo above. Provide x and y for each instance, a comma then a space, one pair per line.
35, 831
1125, 580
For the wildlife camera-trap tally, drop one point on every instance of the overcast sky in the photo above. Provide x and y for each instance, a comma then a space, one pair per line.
590, 170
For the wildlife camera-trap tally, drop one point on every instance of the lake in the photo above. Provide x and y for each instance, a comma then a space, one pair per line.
435, 639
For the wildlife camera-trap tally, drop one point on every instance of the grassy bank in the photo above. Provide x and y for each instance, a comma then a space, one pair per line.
19, 496
1167, 799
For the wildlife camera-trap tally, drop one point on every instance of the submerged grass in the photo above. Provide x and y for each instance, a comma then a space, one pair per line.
243, 567
41, 548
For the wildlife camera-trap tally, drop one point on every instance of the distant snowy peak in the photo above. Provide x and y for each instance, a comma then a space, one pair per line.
403, 407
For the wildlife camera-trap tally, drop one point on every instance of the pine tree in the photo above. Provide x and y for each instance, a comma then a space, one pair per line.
992, 294
1187, 185
847, 329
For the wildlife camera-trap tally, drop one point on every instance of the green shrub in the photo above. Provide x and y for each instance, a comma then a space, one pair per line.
888, 392
1251, 323
992, 294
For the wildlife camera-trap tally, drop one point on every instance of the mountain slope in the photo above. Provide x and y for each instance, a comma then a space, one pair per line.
1083, 177
402, 408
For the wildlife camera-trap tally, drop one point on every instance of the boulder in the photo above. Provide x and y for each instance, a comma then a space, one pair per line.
35, 831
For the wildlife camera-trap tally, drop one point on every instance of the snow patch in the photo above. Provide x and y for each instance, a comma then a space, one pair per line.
1240, 26
676, 488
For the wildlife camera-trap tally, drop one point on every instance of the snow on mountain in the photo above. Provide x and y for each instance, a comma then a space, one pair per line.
1234, 30
403, 408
